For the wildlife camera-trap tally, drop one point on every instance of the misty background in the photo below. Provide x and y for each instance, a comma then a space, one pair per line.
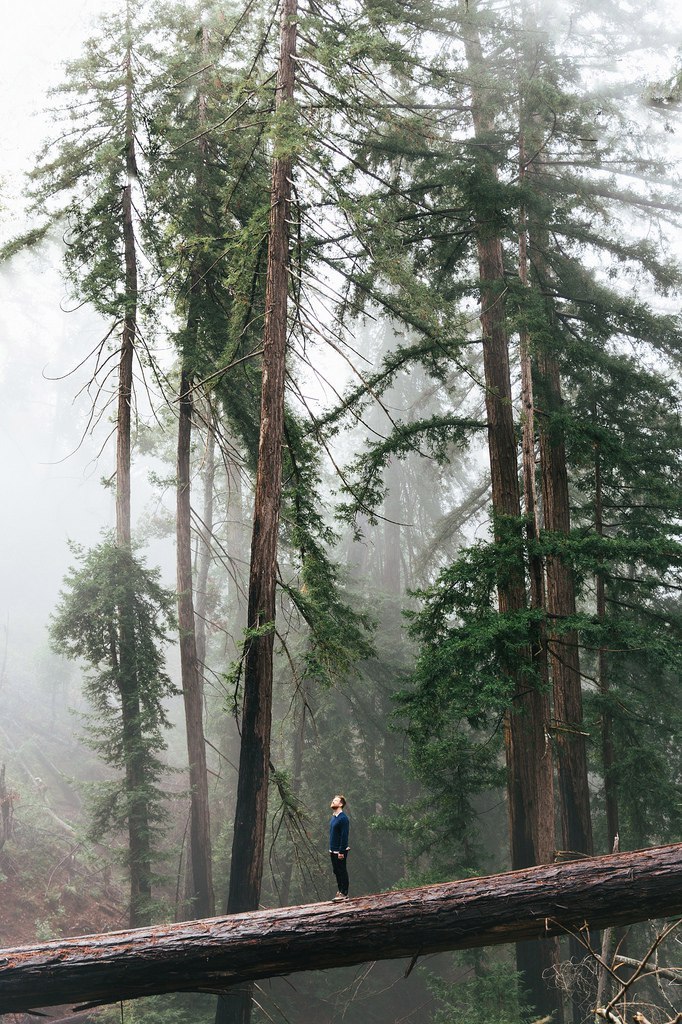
54, 459
52, 463
56, 494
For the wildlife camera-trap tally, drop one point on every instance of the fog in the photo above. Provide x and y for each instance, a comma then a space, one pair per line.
58, 457
52, 489
52, 464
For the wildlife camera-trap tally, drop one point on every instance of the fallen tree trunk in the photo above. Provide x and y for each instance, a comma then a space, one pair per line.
213, 954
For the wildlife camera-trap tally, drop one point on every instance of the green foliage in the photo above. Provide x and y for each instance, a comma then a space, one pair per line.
49, 927
487, 993
26, 241
176, 1008
434, 438
665, 93
646, 721
461, 688
114, 615
79, 179
212, 247
207, 187
337, 636
626, 429
288, 138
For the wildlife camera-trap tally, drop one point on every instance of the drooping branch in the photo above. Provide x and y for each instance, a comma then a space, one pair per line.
215, 954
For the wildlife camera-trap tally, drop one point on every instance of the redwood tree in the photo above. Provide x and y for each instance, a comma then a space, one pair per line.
200, 859
248, 844
529, 765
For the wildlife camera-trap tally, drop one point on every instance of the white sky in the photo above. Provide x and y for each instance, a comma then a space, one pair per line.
37, 37
46, 499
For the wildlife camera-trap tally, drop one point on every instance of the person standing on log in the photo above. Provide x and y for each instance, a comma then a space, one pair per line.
339, 827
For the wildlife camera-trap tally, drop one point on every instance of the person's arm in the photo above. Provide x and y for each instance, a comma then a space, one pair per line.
335, 836
345, 829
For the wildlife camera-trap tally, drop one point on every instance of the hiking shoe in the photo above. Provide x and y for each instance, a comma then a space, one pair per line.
339, 898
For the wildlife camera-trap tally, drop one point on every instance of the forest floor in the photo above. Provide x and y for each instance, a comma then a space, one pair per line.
51, 885
53, 881
49, 908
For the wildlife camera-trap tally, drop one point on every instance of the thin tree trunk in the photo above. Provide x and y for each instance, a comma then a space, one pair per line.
608, 756
205, 956
208, 474
392, 539
192, 691
537, 587
125, 368
248, 844
535, 563
608, 946
139, 835
6, 810
200, 862
391, 852
300, 724
546, 840
139, 840
205, 548
236, 536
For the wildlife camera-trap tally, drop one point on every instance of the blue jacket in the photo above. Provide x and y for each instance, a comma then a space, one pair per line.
338, 833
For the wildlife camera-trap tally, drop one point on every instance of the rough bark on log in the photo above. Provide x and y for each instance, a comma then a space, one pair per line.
214, 954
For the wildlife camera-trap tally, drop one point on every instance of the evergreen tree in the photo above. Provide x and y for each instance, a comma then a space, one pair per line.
187, 190
88, 180
564, 150
113, 605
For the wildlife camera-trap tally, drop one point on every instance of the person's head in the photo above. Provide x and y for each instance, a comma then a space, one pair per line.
338, 803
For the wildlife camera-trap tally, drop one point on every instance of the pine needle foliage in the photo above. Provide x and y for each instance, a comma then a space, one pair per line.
112, 601
79, 177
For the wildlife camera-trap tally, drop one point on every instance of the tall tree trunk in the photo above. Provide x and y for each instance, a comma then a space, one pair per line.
564, 656
139, 840
205, 547
571, 752
536, 569
608, 757
529, 769
247, 851
139, 835
248, 844
201, 894
125, 367
391, 537
236, 536
391, 852
6, 810
298, 750
545, 999
192, 691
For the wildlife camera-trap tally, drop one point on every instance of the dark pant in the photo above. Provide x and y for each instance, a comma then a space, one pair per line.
340, 869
